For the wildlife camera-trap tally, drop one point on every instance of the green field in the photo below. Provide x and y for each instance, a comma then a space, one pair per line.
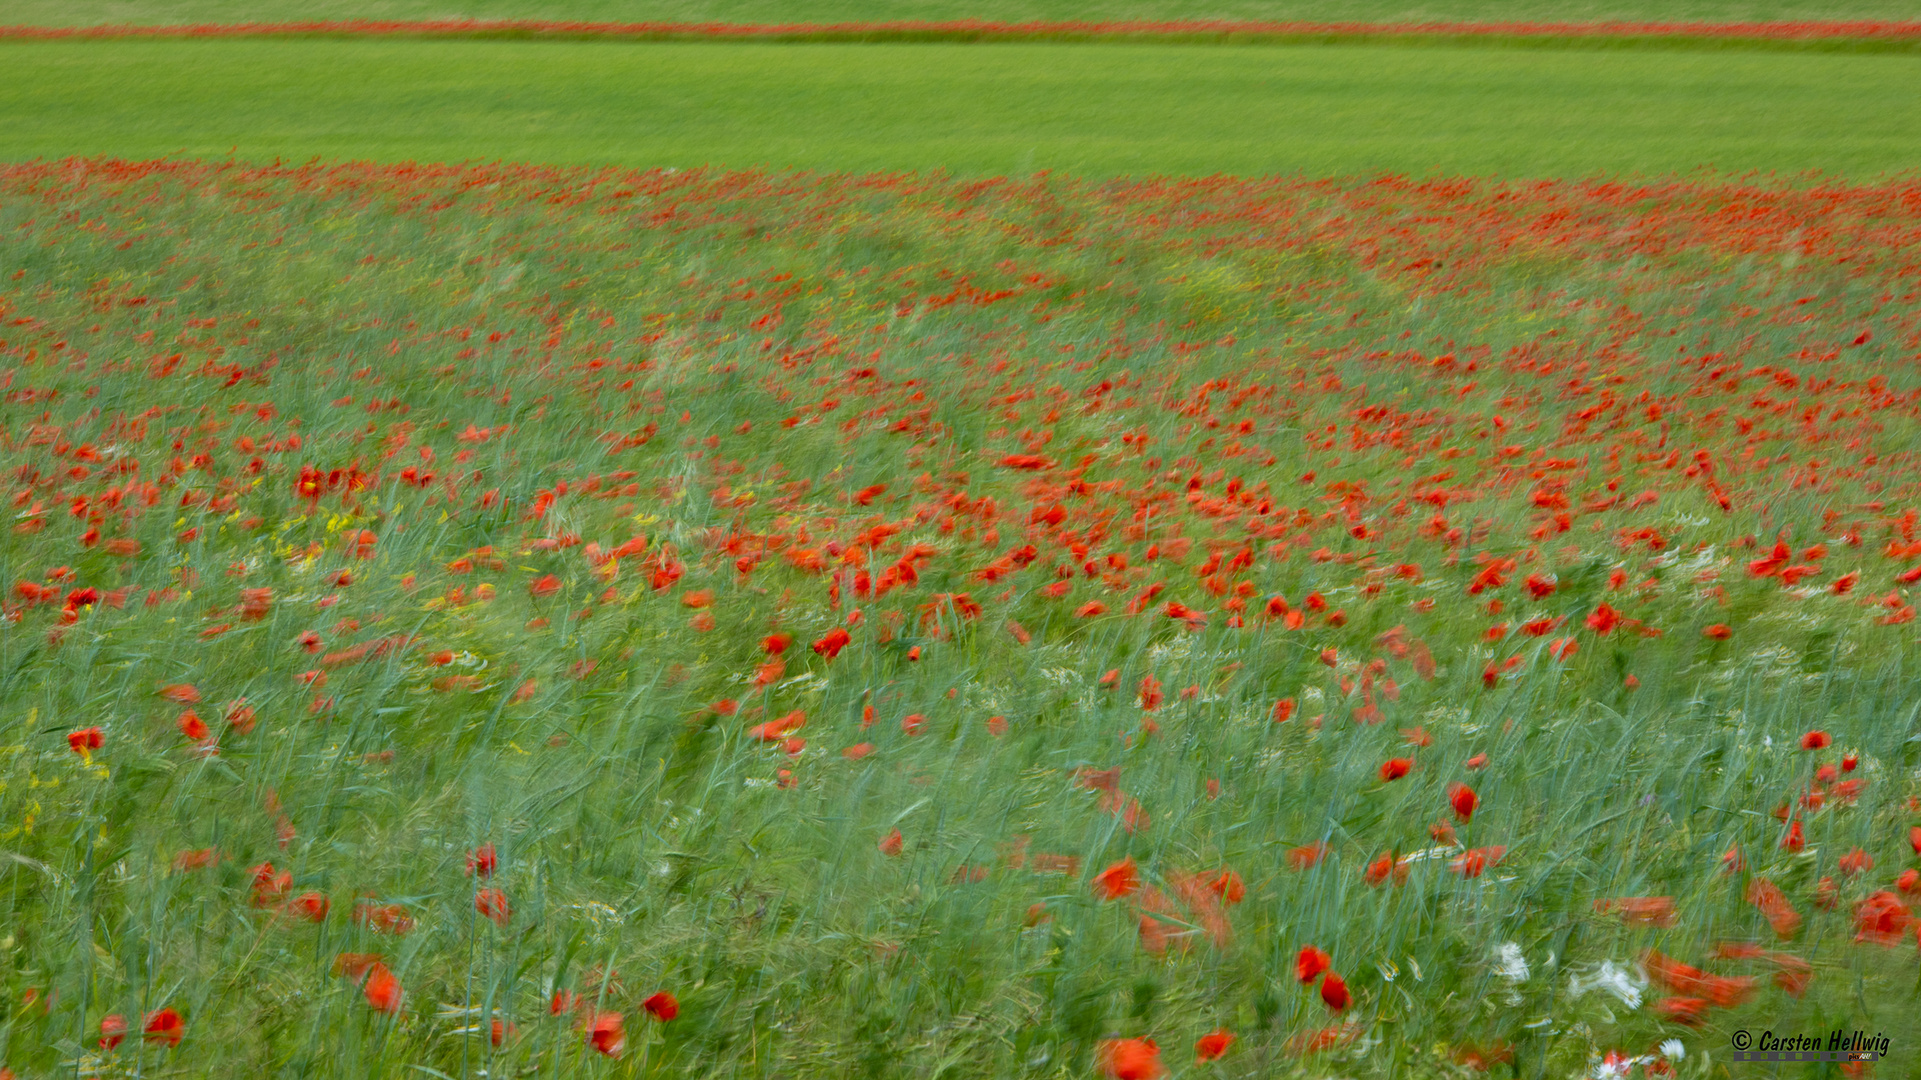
85, 12
1092, 110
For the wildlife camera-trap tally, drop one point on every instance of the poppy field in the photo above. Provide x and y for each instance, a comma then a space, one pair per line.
526, 621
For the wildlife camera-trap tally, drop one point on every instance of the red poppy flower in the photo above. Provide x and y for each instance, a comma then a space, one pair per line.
1153, 934
1385, 866
1212, 1046
269, 886
1815, 740
113, 1028
165, 1026
778, 729
661, 1006
1683, 979
890, 844
311, 906
1334, 992
545, 585
1118, 880
482, 860
1131, 1059
192, 726
33, 998
1228, 886
1395, 768
184, 693
1719, 632
1151, 695
1027, 461
1882, 918
607, 1034
1641, 910
1795, 982
1774, 905
1732, 861
1478, 761
493, 904
355, 965
85, 740
1472, 862
1309, 964
1683, 1010
383, 918
831, 643
1463, 799
382, 989
1307, 856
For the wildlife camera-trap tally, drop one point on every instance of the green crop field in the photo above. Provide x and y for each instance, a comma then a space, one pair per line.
999, 109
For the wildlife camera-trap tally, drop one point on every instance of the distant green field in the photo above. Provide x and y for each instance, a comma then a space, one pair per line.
86, 12
971, 109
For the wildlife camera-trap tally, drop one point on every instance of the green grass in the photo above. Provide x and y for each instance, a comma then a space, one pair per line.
994, 110
85, 12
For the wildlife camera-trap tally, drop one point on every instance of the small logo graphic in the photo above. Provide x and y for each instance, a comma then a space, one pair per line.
1836, 1045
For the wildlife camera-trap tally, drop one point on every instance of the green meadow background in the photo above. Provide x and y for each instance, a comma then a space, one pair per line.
1092, 109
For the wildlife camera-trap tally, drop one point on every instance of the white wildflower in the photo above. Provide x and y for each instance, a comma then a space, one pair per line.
1624, 983
1509, 964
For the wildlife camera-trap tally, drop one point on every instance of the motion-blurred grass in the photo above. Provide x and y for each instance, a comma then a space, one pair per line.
1121, 109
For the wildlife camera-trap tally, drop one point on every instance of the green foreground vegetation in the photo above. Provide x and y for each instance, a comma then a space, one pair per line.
90, 12
1090, 110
